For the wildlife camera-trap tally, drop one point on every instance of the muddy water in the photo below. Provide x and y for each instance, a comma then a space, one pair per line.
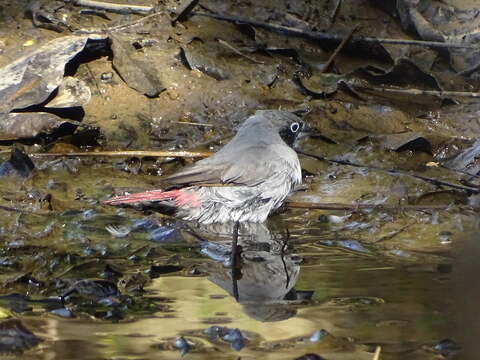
356, 300
358, 295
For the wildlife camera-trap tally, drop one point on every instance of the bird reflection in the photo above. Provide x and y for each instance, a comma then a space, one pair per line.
258, 269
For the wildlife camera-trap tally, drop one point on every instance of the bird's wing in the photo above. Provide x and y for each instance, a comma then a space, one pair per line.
249, 167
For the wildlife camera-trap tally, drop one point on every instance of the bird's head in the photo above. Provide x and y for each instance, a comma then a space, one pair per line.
286, 124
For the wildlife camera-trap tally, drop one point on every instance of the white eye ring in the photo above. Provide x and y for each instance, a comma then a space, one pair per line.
295, 127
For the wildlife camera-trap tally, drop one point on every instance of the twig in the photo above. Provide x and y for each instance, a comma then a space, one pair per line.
23, 211
394, 171
94, 80
238, 52
192, 123
282, 257
119, 27
336, 9
393, 233
378, 350
177, 154
234, 261
184, 10
417, 92
116, 8
319, 36
338, 49
458, 171
354, 207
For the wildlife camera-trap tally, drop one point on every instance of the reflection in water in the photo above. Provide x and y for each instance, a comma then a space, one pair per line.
357, 296
266, 272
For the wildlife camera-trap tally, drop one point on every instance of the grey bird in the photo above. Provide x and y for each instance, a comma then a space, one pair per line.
244, 181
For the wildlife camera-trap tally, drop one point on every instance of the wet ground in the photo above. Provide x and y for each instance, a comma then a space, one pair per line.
378, 252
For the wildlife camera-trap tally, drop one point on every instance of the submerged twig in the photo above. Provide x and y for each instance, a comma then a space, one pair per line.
378, 350
394, 233
319, 36
282, 257
175, 154
354, 207
338, 49
433, 181
238, 52
235, 261
336, 9
24, 211
116, 8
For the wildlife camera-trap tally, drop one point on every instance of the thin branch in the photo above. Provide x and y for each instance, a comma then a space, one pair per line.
94, 79
433, 181
119, 27
24, 211
355, 207
335, 11
417, 92
238, 52
319, 36
470, 70
378, 350
393, 233
338, 49
234, 260
192, 123
115, 8
139, 153
459, 171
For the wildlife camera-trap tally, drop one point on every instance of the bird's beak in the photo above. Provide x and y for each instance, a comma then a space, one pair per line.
310, 132
307, 131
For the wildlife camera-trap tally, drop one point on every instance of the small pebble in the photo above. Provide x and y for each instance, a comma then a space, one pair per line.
161, 234
235, 338
446, 347
318, 335
63, 312
182, 345
88, 214
106, 76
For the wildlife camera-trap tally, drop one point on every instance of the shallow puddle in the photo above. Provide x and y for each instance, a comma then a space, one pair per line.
340, 305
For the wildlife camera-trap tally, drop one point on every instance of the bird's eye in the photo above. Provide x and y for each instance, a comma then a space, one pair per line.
295, 127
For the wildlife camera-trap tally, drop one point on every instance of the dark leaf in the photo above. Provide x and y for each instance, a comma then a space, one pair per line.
28, 125
404, 141
18, 164
185, 9
136, 72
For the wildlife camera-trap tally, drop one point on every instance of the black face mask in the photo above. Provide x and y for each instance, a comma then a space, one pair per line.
289, 133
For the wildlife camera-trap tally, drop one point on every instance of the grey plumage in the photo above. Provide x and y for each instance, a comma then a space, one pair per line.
259, 165
244, 181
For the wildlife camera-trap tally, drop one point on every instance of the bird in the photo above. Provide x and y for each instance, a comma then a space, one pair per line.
244, 181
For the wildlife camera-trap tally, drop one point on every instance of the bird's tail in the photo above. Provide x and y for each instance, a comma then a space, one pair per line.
181, 197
